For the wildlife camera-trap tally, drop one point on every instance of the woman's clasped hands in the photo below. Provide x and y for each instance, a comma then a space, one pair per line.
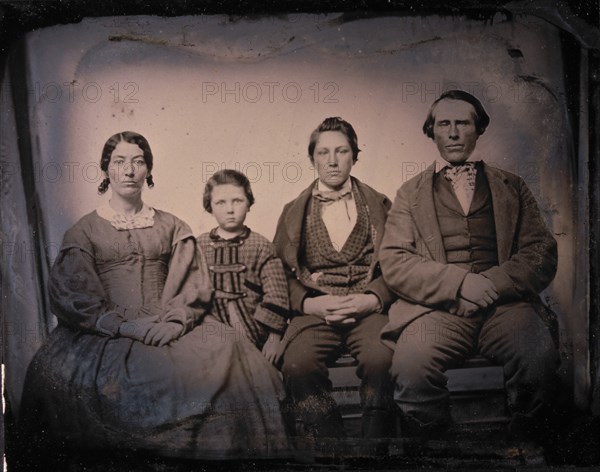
151, 330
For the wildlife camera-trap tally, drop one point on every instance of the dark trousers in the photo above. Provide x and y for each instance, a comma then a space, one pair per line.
306, 376
511, 335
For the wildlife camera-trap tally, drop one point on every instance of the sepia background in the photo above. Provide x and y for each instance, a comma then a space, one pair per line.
218, 92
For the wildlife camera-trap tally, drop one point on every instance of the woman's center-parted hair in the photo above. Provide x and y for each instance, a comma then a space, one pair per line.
223, 177
334, 123
127, 137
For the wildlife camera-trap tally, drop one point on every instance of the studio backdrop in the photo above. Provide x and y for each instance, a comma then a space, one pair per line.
217, 92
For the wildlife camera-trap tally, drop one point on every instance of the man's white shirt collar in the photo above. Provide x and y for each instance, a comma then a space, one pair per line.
440, 166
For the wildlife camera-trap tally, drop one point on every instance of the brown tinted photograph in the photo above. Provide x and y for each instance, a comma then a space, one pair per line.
297, 236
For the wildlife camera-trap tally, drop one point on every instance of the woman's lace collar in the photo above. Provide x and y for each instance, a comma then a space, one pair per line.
142, 219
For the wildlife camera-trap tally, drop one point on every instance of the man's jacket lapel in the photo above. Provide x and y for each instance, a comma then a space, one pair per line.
294, 222
424, 214
505, 202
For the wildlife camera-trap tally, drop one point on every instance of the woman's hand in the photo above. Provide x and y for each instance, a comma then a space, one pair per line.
149, 330
163, 333
271, 347
137, 329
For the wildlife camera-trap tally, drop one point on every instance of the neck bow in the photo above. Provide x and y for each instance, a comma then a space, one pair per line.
330, 196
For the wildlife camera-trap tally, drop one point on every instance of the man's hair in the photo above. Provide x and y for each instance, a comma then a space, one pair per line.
226, 176
482, 119
334, 124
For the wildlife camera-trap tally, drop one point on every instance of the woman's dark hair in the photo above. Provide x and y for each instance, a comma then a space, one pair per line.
111, 144
482, 119
226, 176
334, 124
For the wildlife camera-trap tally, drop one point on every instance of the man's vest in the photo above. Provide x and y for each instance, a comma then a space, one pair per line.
338, 273
469, 240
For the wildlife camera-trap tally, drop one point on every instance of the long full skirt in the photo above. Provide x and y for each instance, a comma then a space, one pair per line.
209, 395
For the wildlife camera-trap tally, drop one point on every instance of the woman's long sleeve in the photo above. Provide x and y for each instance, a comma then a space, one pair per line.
187, 294
77, 296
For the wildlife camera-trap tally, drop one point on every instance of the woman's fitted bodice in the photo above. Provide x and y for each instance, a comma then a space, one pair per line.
132, 264
134, 281
132, 268
118, 269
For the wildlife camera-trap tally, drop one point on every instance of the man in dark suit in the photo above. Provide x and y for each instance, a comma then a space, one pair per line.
328, 240
466, 249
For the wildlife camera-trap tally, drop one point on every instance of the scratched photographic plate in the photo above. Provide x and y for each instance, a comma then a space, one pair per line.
220, 91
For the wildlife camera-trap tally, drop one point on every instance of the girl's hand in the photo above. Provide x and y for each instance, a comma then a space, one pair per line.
271, 347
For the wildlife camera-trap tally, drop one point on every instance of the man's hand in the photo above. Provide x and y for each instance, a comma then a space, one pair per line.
463, 307
346, 309
357, 306
271, 347
479, 290
321, 306
163, 333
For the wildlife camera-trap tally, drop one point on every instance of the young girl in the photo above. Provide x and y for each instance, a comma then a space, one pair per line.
251, 292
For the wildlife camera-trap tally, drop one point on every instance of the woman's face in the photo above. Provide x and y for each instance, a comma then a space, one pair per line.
333, 158
127, 170
229, 206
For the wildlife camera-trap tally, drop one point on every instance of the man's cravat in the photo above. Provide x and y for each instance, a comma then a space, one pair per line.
338, 212
330, 196
462, 177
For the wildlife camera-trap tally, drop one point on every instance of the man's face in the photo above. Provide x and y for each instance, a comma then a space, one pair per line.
333, 158
454, 130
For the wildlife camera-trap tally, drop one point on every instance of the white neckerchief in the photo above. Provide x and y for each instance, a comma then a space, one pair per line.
339, 216
463, 185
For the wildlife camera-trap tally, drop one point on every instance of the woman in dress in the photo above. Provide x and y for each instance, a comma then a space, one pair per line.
136, 361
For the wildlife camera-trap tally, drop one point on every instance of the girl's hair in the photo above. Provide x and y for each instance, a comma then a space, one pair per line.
334, 124
226, 176
110, 145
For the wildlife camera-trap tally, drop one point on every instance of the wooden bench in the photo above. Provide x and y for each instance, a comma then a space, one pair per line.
476, 393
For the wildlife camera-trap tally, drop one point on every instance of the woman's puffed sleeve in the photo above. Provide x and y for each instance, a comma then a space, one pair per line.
187, 295
77, 296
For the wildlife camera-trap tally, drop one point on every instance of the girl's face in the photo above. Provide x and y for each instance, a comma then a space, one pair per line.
229, 206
